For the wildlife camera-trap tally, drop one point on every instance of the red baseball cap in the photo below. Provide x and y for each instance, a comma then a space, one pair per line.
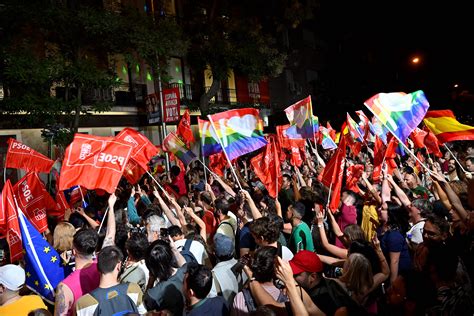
306, 261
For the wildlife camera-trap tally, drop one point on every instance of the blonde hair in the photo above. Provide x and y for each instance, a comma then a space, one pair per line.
62, 237
357, 274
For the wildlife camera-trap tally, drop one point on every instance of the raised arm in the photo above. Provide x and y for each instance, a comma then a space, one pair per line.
225, 186
198, 221
132, 214
89, 220
109, 239
338, 252
453, 197
385, 270
399, 192
371, 188
255, 211
169, 214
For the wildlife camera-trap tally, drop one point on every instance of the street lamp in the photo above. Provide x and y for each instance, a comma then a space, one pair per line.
415, 60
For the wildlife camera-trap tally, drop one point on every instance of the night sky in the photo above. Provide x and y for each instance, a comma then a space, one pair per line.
372, 44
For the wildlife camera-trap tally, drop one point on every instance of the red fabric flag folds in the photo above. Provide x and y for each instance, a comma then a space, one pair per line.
184, 129
34, 200
142, 148
94, 162
10, 227
267, 167
20, 156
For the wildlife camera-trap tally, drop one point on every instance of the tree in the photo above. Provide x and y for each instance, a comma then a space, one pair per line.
66, 46
227, 35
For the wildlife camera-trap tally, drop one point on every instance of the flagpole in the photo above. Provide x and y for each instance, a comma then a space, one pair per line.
403, 144
462, 168
275, 157
82, 196
225, 153
203, 163
103, 218
158, 184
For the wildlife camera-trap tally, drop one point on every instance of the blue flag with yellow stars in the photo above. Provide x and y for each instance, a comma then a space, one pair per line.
43, 265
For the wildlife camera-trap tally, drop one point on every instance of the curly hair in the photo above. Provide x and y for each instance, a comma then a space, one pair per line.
266, 229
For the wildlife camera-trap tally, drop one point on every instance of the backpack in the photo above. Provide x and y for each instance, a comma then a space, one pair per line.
115, 305
186, 253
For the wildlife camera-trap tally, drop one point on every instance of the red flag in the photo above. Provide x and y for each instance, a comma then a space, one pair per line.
418, 137
61, 203
94, 162
133, 172
353, 174
296, 159
286, 142
33, 200
432, 144
21, 156
143, 149
332, 167
217, 163
391, 154
11, 227
267, 167
379, 152
184, 128
331, 131
340, 157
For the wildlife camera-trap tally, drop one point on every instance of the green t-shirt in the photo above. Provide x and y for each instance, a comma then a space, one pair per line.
301, 238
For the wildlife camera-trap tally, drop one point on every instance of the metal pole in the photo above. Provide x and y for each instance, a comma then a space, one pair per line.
163, 124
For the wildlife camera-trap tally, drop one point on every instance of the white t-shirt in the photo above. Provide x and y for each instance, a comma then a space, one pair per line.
415, 233
197, 249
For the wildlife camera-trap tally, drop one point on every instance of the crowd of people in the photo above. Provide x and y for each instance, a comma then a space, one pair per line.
401, 245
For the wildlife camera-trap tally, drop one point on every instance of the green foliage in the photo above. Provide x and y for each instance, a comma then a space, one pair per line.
69, 44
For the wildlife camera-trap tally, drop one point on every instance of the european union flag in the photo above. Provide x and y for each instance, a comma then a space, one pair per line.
43, 265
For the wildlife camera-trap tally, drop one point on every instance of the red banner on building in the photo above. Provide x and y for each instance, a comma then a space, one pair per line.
94, 162
170, 105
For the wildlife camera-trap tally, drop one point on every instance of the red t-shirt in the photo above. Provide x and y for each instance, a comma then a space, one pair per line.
347, 217
180, 183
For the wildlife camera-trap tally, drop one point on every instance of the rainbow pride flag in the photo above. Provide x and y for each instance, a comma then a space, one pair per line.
327, 142
355, 130
446, 127
378, 130
177, 147
209, 141
300, 116
399, 112
315, 124
240, 131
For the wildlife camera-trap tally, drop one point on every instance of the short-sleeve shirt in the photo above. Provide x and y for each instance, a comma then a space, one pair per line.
394, 241
301, 238
23, 306
180, 183
246, 238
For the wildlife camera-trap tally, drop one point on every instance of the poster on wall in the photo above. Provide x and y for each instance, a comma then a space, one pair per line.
171, 105
152, 102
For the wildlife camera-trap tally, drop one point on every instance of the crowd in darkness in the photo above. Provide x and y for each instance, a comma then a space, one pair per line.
401, 244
